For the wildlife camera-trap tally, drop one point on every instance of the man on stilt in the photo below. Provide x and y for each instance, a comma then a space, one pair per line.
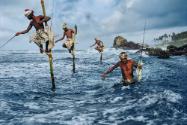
69, 34
41, 36
99, 47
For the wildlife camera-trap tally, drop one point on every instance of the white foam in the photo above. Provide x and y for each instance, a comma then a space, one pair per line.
83, 119
150, 99
171, 96
137, 118
32, 105
128, 105
45, 118
125, 87
144, 54
4, 106
116, 99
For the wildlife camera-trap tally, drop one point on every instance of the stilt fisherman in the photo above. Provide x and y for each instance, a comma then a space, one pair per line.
99, 45
40, 37
69, 34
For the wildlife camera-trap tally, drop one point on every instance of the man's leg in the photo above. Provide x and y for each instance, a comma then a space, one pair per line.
98, 49
64, 45
41, 48
46, 47
71, 49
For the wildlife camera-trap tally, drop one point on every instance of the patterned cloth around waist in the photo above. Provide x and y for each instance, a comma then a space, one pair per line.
69, 42
41, 36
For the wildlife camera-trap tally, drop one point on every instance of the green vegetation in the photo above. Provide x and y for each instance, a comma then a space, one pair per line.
177, 40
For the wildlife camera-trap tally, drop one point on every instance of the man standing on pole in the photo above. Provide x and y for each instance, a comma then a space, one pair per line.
40, 37
69, 34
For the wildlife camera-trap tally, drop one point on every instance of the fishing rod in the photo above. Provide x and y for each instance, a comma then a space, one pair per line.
5, 43
140, 62
143, 40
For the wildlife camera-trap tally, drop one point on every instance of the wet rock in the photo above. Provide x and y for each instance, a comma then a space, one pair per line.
120, 42
177, 51
164, 54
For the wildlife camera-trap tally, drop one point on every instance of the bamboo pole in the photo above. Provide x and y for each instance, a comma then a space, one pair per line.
73, 54
101, 58
73, 62
50, 55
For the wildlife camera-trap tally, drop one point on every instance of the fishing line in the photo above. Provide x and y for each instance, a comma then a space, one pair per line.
5, 43
143, 40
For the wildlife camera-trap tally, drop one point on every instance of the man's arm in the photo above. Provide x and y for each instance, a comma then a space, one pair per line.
25, 31
93, 44
60, 38
110, 70
44, 19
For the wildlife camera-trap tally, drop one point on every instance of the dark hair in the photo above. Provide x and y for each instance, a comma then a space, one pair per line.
122, 54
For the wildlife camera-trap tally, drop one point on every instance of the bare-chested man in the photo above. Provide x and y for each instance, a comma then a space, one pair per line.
127, 67
69, 34
40, 36
99, 45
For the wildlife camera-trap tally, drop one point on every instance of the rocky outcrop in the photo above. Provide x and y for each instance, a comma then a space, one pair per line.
132, 45
171, 51
156, 52
177, 51
120, 42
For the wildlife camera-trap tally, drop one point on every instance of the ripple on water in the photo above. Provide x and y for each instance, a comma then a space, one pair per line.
83, 98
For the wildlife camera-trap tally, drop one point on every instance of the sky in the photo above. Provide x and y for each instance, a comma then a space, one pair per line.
104, 19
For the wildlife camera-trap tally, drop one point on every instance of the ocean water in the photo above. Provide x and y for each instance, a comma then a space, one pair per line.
84, 98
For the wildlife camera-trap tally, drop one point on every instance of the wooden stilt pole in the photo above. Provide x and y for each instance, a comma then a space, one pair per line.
101, 58
50, 56
73, 62
73, 54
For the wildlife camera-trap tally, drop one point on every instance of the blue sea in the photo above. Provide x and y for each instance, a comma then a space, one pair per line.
83, 98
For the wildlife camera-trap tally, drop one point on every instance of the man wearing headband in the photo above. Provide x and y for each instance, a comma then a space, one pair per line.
40, 36
68, 33
99, 45
126, 65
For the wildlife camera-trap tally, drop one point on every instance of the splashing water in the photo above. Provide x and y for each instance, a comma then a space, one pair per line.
83, 98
